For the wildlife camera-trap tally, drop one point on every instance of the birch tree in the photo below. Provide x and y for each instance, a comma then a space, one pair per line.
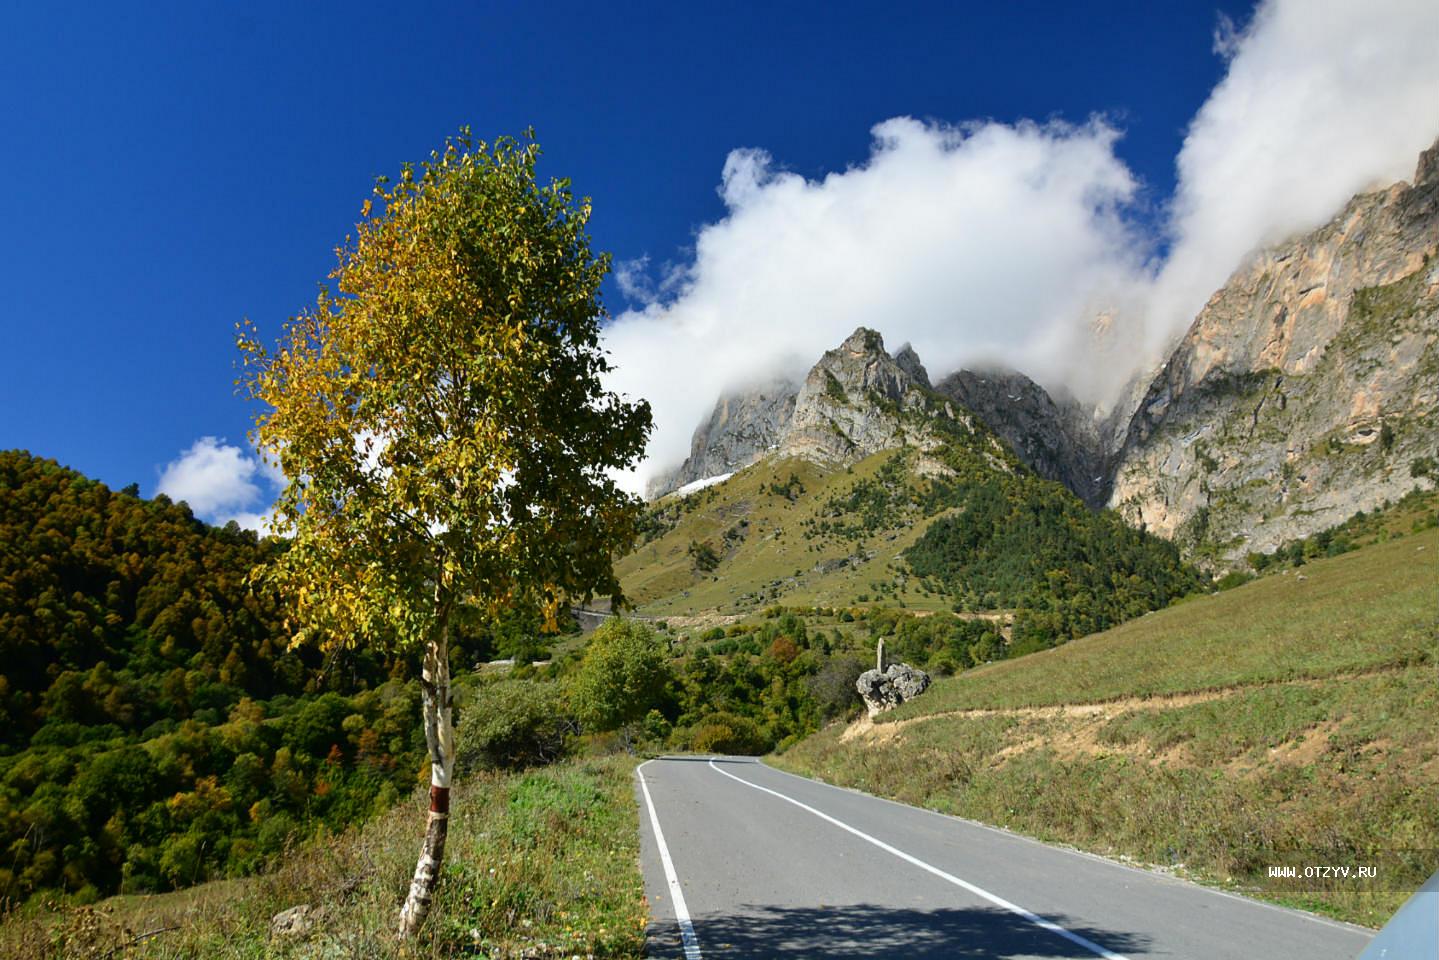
441, 423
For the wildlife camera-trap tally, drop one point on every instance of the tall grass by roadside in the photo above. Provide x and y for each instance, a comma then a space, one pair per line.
1303, 734
539, 864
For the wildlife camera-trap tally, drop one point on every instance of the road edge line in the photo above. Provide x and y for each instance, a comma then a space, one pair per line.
677, 895
1014, 908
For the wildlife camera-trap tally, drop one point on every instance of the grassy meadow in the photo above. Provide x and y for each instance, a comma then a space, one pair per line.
1289, 721
1370, 609
758, 533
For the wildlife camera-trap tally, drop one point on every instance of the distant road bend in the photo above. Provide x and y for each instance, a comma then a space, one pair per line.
742, 860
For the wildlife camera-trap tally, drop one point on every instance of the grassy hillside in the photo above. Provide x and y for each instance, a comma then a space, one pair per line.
754, 522
954, 524
1285, 722
541, 864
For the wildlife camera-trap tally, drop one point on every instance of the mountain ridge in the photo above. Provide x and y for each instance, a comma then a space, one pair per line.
1207, 451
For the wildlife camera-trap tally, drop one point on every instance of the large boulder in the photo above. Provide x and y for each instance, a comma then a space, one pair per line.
884, 691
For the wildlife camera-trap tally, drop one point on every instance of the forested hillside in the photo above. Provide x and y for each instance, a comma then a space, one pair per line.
156, 729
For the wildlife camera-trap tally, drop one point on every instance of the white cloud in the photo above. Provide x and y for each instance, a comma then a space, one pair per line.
991, 241
1323, 99
222, 483
979, 241
632, 277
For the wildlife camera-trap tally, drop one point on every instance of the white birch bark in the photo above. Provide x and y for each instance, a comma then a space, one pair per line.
440, 738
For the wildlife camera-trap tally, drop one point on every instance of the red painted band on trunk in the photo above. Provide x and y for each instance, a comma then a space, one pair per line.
440, 799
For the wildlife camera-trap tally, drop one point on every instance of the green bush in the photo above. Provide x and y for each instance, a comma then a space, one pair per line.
724, 732
622, 676
515, 723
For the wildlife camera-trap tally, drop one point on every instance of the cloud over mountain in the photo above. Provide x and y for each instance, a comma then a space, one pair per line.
985, 241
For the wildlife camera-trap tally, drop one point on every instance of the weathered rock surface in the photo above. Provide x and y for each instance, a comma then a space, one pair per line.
898, 684
1058, 438
1305, 389
851, 405
744, 426
295, 922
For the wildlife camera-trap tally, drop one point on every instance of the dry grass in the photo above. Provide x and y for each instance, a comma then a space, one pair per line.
1282, 722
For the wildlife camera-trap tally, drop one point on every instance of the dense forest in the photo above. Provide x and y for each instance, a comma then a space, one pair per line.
1022, 543
156, 728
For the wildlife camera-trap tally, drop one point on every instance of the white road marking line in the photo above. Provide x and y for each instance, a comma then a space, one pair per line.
682, 911
1035, 919
1143, 872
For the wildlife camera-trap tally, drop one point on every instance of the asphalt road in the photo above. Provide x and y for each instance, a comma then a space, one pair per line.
759, 863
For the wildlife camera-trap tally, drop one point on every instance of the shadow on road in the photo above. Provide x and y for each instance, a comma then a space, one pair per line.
864, 930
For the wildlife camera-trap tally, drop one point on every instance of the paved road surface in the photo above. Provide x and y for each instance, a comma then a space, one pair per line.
759, 863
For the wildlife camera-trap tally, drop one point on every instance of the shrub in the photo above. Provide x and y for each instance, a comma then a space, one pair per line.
833, 686
622, 676
1234, 578
728, 733
516, 723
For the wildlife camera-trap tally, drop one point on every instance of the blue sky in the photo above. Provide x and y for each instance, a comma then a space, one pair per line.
174, 170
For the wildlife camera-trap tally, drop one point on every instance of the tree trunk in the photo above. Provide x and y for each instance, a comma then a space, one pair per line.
440, 737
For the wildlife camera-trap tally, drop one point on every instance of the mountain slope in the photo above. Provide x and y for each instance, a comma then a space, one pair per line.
1305, 389
1059, 439
155, 727
744, 425
1285, 722
882, 489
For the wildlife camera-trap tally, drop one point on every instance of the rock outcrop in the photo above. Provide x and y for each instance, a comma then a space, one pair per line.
851, 405
1303, 392
744, 426
1058, 438
898, 683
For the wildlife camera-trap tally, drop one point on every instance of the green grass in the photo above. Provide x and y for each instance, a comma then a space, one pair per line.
1360, 611
762, 568
1290, 722
542, 864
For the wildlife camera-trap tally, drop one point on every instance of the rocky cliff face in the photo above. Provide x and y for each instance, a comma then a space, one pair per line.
1304, 391
848, 407
744, 426
1059, 439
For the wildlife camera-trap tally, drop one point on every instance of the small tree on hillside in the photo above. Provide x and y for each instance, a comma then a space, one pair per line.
623, 675
441, 424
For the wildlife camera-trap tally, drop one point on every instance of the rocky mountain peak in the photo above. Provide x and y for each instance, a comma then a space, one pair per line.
1056, 437
864, 341
1303, 391
1427, 171
746, 423
861, 366
908, 361
846, 408
849, 405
